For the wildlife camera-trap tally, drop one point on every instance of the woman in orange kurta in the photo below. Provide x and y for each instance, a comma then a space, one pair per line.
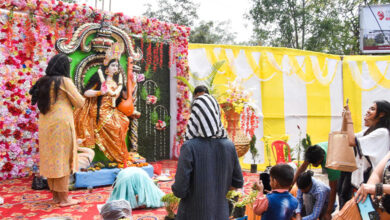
99, 121
56, 96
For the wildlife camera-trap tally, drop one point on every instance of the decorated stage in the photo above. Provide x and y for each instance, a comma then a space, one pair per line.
22, 202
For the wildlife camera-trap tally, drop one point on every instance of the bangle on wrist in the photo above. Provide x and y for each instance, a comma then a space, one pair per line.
378, 189
98, 93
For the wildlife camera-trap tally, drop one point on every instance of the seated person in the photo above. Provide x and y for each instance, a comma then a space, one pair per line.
134, 185
279, 204
115, 210
313, 197
316, 155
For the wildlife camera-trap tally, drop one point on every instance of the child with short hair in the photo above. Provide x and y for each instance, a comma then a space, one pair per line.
279, 204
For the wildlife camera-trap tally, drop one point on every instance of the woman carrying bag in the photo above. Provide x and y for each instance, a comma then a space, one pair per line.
371, 146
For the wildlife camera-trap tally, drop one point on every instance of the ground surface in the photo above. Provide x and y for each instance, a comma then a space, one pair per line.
22, 202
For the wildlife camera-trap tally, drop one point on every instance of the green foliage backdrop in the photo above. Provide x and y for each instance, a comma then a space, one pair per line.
152, 143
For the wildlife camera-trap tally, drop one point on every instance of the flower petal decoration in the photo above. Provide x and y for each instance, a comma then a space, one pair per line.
29, 30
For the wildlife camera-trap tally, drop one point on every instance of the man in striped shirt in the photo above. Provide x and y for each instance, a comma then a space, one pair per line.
313, 198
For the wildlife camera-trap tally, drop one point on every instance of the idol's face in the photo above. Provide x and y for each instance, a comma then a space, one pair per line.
112, 68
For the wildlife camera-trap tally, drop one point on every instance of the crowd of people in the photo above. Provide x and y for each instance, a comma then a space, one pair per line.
208, 165
208, 168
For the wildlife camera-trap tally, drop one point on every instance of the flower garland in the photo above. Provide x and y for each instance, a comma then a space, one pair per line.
155, 57
30, 40
150, 99
161, 49
249, 121
21, 67
158, 123
148, 57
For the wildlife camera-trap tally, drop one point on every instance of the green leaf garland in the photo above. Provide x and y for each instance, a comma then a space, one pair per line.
144, 94
167, 119
148, 73
158, 93
154, 117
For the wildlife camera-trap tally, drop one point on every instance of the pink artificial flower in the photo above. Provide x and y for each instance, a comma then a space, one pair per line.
151, 99
104, 87
140, 77
20, 4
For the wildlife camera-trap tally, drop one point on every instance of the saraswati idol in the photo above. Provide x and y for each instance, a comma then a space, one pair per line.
109, 108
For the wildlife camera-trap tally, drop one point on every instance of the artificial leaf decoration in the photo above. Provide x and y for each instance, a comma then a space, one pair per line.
154, 117
157, 93
144, 94
186, 82
306, 142
167, 119
208, 80
148, 73
253, 149
145, 36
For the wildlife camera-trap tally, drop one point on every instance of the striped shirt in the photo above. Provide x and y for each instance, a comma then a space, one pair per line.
205, 119
320, 193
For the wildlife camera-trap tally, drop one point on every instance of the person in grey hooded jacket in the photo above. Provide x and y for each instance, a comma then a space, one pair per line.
208, 165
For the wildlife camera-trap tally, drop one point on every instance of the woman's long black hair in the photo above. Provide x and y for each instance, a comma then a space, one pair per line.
382, 106
57, 68
95, 84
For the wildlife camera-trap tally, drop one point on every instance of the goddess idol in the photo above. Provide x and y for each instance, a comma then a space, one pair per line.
99, 121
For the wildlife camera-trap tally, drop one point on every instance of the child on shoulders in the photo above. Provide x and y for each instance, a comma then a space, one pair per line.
279, 204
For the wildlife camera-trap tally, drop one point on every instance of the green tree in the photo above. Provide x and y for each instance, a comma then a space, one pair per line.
278, 22
185, 12
330, 26
209, 32
182, 12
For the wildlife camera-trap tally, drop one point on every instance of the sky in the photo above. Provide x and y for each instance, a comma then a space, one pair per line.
214, 10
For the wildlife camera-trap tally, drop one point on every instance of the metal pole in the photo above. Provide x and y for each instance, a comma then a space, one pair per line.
109, 6
96, 4
103, 5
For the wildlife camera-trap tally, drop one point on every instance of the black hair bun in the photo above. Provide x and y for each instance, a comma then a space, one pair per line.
34, 92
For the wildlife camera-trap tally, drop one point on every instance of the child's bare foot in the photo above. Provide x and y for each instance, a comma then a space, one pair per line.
70, 202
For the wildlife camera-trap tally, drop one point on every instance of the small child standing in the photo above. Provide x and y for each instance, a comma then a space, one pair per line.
279, 204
